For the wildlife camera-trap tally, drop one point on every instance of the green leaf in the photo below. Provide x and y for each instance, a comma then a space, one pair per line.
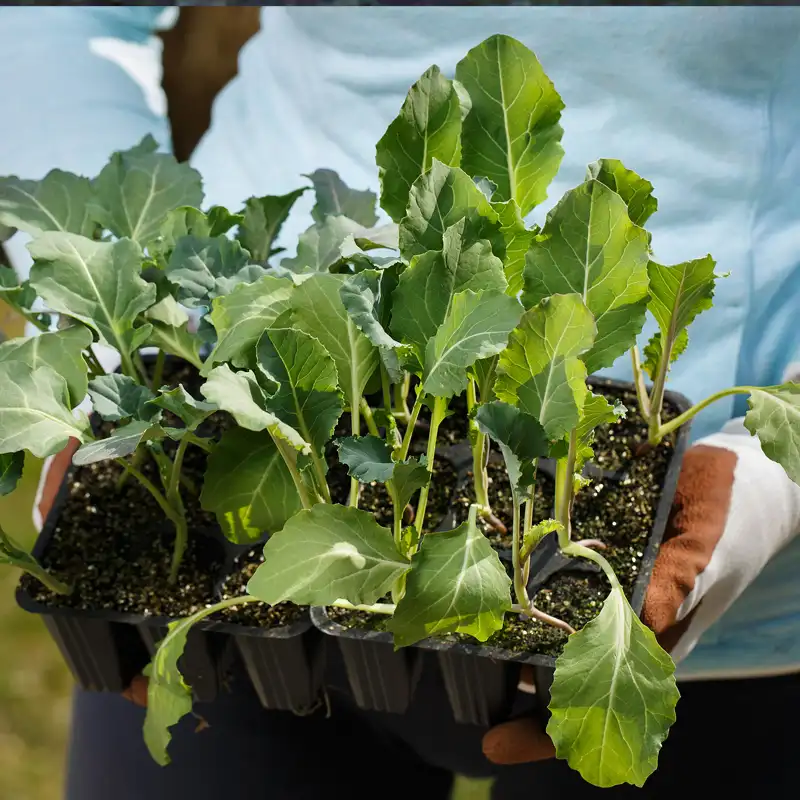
652, 351
336, 198
20, 296
774, 417
613, 698
633, 189
477, 325
328, 553
318, 311
263, 219
61, 350
167, 312
204, 268
242, 316
407, 477
428, 127
534, 535
248, 486
239, 394
308, 396
540, 370
320, 246
521, 437
438, 199
97, 283
517, 239
178, 401
169, 698
122, 442
596, 411
425, 292
138, 188
177, 340
512, 134
457, 584
58, 202
590, 247
678, 294
35, 412
368, 458
11, 465
117, 397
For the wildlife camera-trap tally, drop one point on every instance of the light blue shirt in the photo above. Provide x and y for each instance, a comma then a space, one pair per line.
704, 102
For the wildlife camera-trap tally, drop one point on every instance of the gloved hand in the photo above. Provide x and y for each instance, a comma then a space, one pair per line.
716, 542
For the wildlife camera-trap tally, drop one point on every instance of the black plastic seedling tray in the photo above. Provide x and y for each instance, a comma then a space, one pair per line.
482, 681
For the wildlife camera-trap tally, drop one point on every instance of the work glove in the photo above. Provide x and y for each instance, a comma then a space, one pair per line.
733, 510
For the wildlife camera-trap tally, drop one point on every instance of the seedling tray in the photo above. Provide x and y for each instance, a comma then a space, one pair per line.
481, 681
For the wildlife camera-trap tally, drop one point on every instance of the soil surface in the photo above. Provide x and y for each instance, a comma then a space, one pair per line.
620, 512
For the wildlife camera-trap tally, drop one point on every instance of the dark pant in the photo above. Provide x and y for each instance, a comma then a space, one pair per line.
735, 736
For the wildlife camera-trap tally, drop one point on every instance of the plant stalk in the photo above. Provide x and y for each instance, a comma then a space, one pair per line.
137, 360
386, 388
480, 476
355, 429
375, 608
158, 369
674, 424
22, 559
412, 421
527, 525
573, 549
565, 470
368, 418
439, 412
290, 459
520, 586
638, 380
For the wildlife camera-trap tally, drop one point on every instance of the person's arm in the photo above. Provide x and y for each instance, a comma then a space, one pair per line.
78, 83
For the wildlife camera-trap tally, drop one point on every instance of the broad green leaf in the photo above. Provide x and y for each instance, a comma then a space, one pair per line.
368, 458
425, 292
633, 189
774, 416
596, 411
540, 370
320, 246
440, 198
512, 134
678, 294
177, 341
652, 351
11, 465
318, 311
534, 535
61, 350
116, 397
58, 202
517, 239
477, 325
239, 394
263, 219
204, 268
613, 698
188, 409
19, 295
407, 477
336, 198
188, 221
590, 247
35, 411
521, 437
248, 486
138, 188
122, 442
457, 584
242, 316
328, 553
308, 396
167, 312
428, 127
97, 283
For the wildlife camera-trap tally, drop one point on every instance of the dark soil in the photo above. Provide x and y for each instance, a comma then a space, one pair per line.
620, 513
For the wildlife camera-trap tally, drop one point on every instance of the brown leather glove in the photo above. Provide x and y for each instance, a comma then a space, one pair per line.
695, 526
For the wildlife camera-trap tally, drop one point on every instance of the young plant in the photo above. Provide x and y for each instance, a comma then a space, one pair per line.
474, 302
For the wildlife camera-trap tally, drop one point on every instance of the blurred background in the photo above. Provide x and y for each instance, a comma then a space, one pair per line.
199, 58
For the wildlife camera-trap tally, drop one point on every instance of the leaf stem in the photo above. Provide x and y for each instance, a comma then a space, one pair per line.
439, 412
158, 369
520, 588
289, 456
527, 525
175, 474
574, 549
375, 608
152, 488
674, 424
355, 429
412, 421
565, 469
638, 380
386, 388
21, 558
368, 418
137, 360
480, 476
